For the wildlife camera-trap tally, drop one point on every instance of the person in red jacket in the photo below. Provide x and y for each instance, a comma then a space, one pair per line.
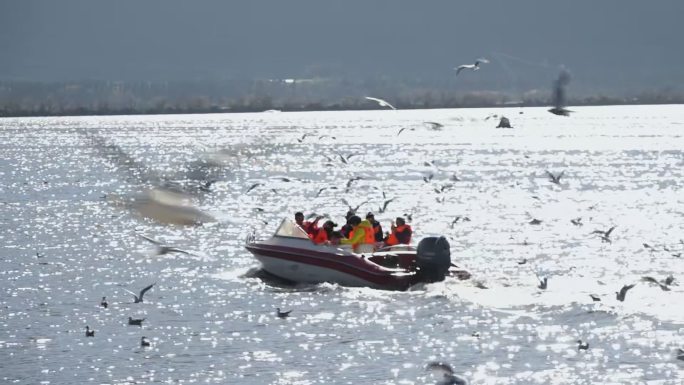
377, 228
401, 233
309, 227
323, 235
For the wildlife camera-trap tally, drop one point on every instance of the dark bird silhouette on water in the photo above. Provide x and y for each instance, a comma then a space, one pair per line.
669, 280
446, 374
104, 303
144, 343
595, 297
555, 178
139, 297
605, 235
300, 140
206, 186
89, 332
522, 261
282, 314
577, 221
428, 178
623, 292
680, 354
543, 283
582, 345
504, 123
135, 321
535, 221
558, 97
162, 249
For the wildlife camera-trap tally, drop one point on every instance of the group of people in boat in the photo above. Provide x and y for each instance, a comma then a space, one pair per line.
364, 235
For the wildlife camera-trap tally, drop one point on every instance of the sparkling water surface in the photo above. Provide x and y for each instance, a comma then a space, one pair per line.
65, 243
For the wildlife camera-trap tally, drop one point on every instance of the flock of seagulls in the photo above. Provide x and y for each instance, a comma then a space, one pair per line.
138, 298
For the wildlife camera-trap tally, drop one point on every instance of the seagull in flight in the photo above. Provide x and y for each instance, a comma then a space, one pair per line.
555, 178
139, 297
623, 292
605, 235
447, 374
161, 248
384, 205
382, 103
663, 286
353, 209
473, 67
433, 125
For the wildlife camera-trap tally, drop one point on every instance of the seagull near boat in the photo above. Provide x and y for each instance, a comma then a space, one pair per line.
382, 103
473, 67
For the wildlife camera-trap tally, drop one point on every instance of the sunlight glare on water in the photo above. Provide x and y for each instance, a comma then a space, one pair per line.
68, 239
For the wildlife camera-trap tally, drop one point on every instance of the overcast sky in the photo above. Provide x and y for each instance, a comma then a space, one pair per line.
606, 43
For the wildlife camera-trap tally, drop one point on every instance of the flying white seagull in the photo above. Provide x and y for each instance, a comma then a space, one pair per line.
473, 67
381, 102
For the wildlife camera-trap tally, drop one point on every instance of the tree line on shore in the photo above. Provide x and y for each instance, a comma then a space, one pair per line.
116, 98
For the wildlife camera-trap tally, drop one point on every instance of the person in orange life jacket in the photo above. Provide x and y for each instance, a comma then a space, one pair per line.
362, 239
401, 233
347, 228
377, 228
309, 227
323, 235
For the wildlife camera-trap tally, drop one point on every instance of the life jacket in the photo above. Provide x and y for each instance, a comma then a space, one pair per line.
320, 236
393, 240
310, 227
368, 233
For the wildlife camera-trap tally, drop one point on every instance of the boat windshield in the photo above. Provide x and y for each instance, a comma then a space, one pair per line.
288, 228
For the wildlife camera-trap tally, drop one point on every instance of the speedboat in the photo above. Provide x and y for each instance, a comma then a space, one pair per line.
291, 255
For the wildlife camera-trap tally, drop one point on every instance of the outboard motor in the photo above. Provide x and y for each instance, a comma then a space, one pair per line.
433, 259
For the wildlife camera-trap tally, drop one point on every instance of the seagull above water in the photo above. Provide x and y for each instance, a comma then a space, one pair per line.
555, 178
433, 125
623, 292
605, 235
163, 249
381, 102
139, 297
473, 67
447, 374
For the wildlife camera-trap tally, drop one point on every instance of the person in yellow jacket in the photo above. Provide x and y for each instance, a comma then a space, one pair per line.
363, 238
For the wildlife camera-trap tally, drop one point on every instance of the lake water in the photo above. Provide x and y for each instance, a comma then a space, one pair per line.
64, 244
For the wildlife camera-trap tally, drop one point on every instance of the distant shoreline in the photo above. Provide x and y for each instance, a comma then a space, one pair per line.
305, 108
